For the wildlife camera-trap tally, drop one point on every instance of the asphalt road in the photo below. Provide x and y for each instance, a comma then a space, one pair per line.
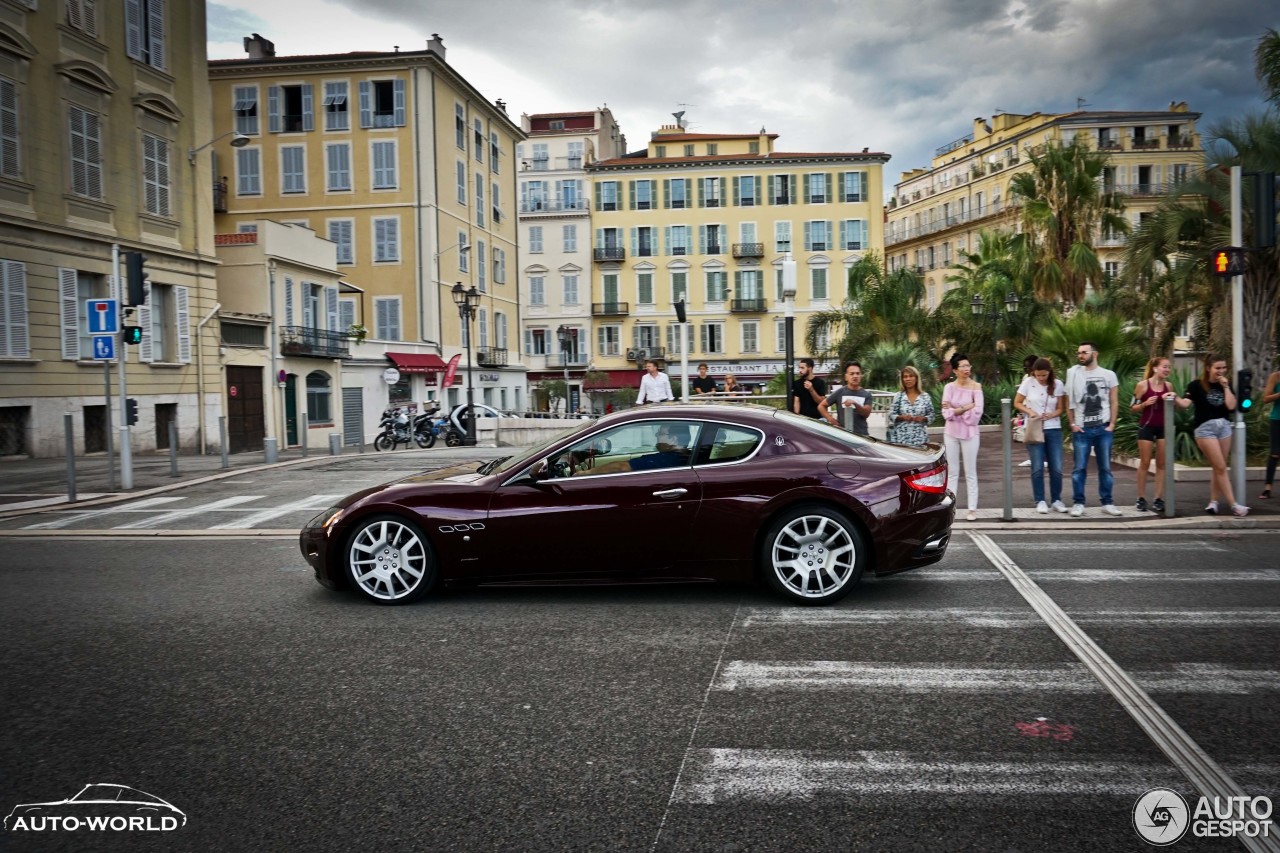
934, 710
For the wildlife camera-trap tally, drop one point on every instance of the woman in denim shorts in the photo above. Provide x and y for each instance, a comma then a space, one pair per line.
1148, 402
1271, 394
1214, 401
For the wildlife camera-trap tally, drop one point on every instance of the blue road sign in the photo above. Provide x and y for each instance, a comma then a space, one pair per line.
104, 347
104, 316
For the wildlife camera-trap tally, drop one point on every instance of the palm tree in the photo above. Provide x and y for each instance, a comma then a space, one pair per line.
1063, 208
1266, 57
881, 365
1121, 347
880, 306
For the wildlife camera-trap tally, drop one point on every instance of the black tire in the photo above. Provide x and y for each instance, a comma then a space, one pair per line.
453, 439
384, 441
425, 441
813, 555
388, 560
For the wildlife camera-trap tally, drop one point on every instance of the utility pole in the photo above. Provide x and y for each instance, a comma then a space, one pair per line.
1238, 436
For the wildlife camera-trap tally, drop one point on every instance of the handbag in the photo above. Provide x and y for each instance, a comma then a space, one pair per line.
1033, 431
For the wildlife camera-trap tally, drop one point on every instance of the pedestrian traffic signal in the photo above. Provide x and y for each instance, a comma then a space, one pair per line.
1227, 262
1264, 210
130, 411
1244, 388
131, 334
135, 276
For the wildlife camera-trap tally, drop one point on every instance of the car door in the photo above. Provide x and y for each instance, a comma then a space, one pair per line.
606, 520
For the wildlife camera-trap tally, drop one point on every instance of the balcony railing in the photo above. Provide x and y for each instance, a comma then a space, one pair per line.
553, 205
748, 250
1180, 142
942, 224
1109, 145
1145, 144
611, 253
491, 357
220, 196
314, 343
610, 309
573, 359
646, 353
752, 305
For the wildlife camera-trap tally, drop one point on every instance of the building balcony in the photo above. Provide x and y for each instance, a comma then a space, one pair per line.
1110, 145
562, 360
748, 250
314, 343
610, 309
491, 357
646, 353
220, 196
1146, 144
554, 205
1177, 142
610, 253
752, 305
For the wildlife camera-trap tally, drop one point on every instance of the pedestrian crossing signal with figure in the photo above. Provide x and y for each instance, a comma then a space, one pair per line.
1244, 388
1228, 262
131, 334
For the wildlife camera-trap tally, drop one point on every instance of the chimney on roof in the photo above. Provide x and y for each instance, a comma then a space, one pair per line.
258, 47
436, 45
501, 104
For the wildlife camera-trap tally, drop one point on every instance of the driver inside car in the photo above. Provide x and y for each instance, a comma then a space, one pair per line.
671, 451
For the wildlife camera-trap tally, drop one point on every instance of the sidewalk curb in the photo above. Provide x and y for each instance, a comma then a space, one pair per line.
1151, 525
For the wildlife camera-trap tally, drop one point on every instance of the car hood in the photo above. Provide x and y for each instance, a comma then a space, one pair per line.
451, 478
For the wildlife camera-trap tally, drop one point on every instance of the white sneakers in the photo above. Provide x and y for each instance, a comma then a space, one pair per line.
1059, 506
1239, 510
1077, 510
1042, 508
1111, 509
973, 515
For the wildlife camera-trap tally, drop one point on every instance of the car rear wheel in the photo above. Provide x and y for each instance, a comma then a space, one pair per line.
813, 555
389, 560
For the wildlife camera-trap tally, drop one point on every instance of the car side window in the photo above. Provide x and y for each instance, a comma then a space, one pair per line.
636, 446
722, 443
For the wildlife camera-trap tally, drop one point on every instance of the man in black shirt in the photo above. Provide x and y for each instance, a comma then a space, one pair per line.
808, 391
704, 384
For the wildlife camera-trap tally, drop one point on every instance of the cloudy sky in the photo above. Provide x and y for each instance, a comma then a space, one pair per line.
827, 75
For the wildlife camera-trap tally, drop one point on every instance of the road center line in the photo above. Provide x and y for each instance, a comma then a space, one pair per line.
1201, 770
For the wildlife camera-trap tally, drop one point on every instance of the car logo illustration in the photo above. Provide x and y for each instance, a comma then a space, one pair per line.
98, 807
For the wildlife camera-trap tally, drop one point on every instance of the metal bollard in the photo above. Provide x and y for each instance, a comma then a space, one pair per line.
1006, 436
173, 448
222, 440
270, 451
846, 418
1170, 477
335, 444
69, 430
305, 423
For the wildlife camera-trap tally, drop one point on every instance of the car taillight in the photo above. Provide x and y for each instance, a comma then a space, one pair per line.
933, 480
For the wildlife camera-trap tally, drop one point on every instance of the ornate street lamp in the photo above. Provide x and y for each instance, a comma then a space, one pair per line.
468, 302
565, 334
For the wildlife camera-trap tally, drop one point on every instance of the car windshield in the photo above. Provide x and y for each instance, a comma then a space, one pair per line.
538, 450
98, 792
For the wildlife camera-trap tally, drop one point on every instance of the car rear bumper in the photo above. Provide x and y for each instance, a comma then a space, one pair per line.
918, 539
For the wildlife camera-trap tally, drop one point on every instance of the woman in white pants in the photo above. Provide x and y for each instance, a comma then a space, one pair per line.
962, 409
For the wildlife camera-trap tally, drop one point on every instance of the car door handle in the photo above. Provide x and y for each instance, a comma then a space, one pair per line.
671, 493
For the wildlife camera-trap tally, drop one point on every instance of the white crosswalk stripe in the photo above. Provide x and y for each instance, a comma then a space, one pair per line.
188, 512
1208, 575
1005, 618
72, 517
315, 502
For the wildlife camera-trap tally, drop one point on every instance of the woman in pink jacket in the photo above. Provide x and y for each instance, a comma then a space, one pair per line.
962, 409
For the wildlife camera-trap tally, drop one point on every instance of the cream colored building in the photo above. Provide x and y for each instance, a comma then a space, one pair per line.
710, 218
100, 105
555, 238
936, 214
410, 172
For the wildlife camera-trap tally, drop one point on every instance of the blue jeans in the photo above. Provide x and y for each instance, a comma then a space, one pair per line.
1098, 439
1050, 451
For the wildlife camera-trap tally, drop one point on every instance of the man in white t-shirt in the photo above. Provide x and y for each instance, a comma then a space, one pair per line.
1092, 405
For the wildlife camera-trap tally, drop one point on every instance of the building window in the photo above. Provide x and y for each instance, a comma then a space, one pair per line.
248, 171
289, 108
464, 265
571, 238
384, 165
659, 151
86, 153
710, 192
642, 195
482, 267
853, 186
144, 31
493, 151
318, 399
382, 103
713, 148
782, 189
338, 171
537, 290
817, 236
751, 336
386, 239
245, 107
717, 283
711, 239
753, 147
853, 234
499, 266
818, 282
609, 288
607, 195
535, 341
642, 242
82, 15
688, 151
341, 234
713, 337
816, 191
570, 290
575, 155
677, 239
608, 340
293, 169
386, 318
163, 314
461, 169
10, 147
15, 340
479, 141
482, 326
780, 335
460, 126
746, 191
535, 239
644, 288
677, 193
155, 174
679, 287
480, 181
336, 114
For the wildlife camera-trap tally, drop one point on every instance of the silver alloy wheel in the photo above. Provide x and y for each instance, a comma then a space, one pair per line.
813, 556
387, 559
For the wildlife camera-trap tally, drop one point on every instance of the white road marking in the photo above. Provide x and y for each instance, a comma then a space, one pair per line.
1208, 575
315, 502
1129, 545
928, 678
188, 512
1007, 618
72, 517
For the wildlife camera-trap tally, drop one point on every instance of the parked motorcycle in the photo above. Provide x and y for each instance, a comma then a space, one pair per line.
396, 429
425, 428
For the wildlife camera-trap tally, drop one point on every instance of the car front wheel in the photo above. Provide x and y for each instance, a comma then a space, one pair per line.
813, 555
389, 560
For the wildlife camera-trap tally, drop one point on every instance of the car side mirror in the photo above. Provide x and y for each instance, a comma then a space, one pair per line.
540, 471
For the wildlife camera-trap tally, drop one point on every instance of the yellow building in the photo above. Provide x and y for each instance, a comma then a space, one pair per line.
936, 214
100, 105
710, 218
410, 172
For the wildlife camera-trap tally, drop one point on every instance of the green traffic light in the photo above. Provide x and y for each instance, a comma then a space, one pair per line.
1246, 404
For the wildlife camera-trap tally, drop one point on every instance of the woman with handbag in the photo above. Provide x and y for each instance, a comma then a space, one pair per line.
1042, 398
911, 411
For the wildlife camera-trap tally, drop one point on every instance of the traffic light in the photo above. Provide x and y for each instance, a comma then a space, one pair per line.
1264, 210
1227, 262
680, 311
131, 334
135, 277
130, 411
1244, 388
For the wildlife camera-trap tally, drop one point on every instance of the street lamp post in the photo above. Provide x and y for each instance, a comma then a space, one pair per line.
468, 302
978, 308
565, 334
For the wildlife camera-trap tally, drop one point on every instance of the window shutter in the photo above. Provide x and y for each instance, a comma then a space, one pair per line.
844, 233
631, 195
773, 194
737, 282
381, 325
308, 108
724, 186
288, 301
808, 236
366, 103
827, 233
13, 290
635, 242
398, 101
9, 161
331, 308
146, 351
273, 109
155, 33
791, 183
597, 191
133, 28
807, 181
666, 193
70, 314
599, 238
666, 237
704, 329
182, 302
702, 239
737, 194
829, 191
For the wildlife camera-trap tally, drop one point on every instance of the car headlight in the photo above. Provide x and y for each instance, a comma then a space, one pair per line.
327, 519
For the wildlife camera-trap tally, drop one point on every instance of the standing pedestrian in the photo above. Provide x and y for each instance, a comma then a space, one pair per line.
1041, 398
1148, 402
1092, 396
1214, 400
807, 391
851, 396
655, 386
731, 385
1271, 394
962, 405
910, 411
704, 384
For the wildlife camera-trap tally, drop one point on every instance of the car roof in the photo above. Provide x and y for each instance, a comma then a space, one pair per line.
746, 412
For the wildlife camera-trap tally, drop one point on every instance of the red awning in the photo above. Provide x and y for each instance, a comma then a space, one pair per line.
412, 362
